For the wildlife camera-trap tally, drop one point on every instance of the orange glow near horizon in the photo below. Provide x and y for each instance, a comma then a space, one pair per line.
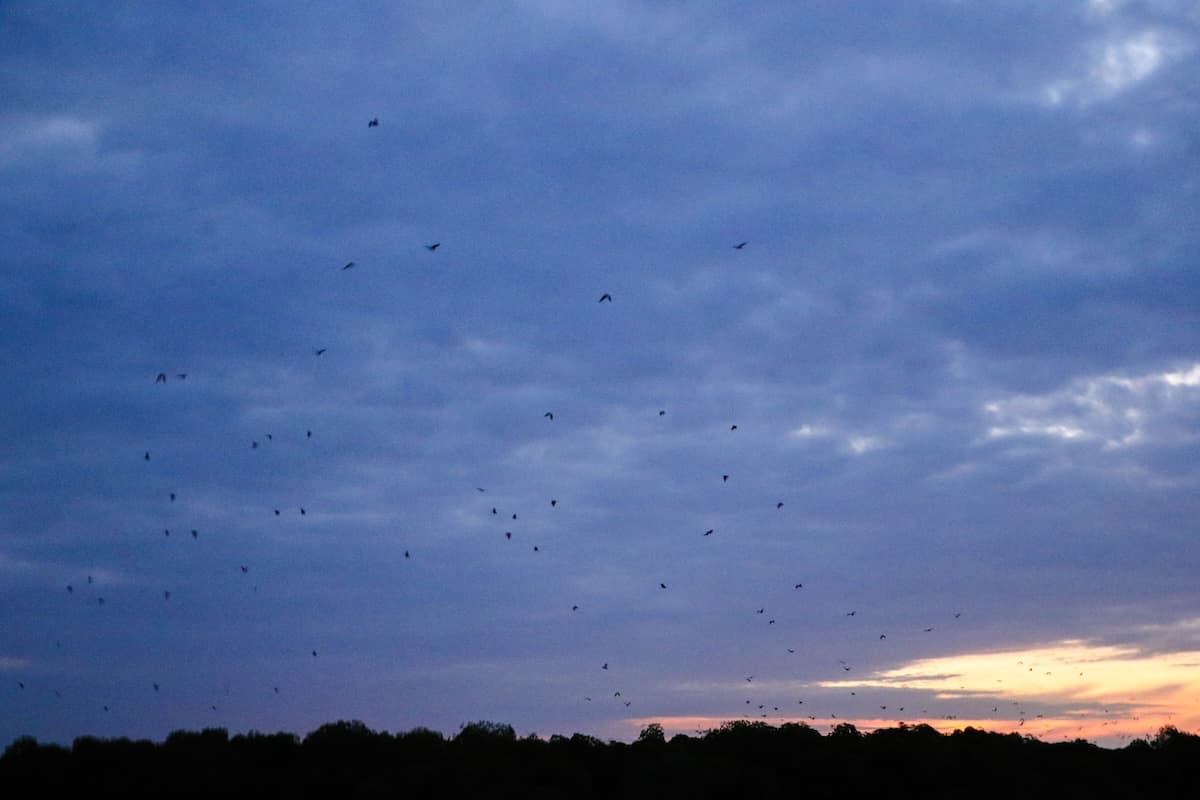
1072, 689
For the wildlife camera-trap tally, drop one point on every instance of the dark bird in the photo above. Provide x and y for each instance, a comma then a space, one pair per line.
740, 245
147, 456
553, 503
90, 580
270, 438
166, 531
166, 595
851, 613
616, 694
535, 549
254, 445
70, 589
760, 611
548, 416
308, 434
708, 532
172, 497
319, 350
373, 123
928, 630
514, 516
790, 650
574, 608
407, 555
195, 533
957, 614
302, 511
749, 679
277, 512
245, 569
276, 689
770, 622
662, 586
100, 600
606, 296
181, 375
733, 427
160, 378
493, 509
798, 586
314, 652
779, 504
882, 636
349, 265
432, 247
508, 534
724, 479
604, 665
661, 412
155, 685
480, 489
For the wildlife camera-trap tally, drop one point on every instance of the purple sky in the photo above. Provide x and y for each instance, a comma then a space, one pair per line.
961, 346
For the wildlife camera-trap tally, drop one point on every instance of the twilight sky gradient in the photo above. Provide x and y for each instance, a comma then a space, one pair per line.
961, 347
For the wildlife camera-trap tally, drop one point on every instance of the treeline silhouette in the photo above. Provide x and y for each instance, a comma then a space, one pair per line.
739, 759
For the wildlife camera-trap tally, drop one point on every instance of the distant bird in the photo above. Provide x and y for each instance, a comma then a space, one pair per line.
514, 516
480, 489
928, 630
155, 685
166, 531
770, 622
604, 665
277, 512
308, 434
790, 650
147, 456
181, 375
160, 378
535, 549
494, 510
779, 504
798, 586
662, 586
432, 247
709, 532
70, 589
276, 688
553, 503
302, 511
749, 679
166, 595
373, 123
740, 245
195, 533
574, 608
606, 296
349, 265
661, 412
957, 614
319, 350
245, 569
172, 497
101, 600
89, 580
882, 636
508, 534
724, 479
270, 438
851, 613
549, 416
733, 427
254, 445
314, 652
407, 555
761, 611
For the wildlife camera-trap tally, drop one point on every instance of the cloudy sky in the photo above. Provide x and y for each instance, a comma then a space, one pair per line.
960, 346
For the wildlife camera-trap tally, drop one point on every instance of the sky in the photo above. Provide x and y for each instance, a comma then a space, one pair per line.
899, 300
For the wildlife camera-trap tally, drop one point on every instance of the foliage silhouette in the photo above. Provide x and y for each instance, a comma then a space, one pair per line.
740, 758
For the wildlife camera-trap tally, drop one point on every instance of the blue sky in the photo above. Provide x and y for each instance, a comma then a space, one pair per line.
959, 346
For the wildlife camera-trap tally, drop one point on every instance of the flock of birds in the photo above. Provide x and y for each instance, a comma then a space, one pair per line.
764, 706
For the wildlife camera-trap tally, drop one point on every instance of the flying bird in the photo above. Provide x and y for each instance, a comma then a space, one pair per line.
553, 503
740, 245
181, 375
661, 412
147, 456
349, 265
548, 415
308, 434
779, 504
160, 378
733, 427
319, 350
406, 554
606, 296
508, 534
245, 569
662, 586
172, 497
373, 123
432, 247
195, 533
709, 532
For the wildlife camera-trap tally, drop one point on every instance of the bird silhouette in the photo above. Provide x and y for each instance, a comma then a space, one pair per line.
302, 511
606, 296
319, 350
604, 665
147, 456
407, 555
432, 247
662, 586
195, 533
245, 569
373, 123
708, 532
740, 245
349, 265
548, 415
160, 377
798, 586
733, 427
181, 375
661, 412
308, 434
508, 534
166, 595
172, 497
553, 503
724, 479
779, 504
